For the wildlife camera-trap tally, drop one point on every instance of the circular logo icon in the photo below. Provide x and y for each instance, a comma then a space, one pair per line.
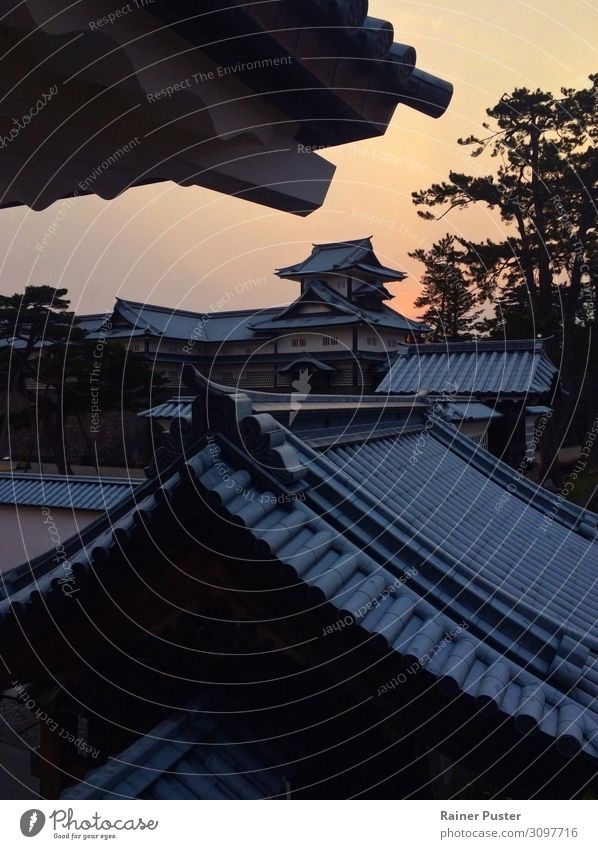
32, 822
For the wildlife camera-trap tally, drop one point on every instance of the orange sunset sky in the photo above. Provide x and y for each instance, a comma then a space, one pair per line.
185, 247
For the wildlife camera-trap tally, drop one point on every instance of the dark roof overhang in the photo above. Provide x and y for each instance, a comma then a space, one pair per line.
514, 658
154, 96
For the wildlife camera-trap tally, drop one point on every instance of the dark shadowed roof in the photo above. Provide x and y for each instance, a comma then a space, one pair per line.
429, 545
91, 322
239, 325
189, 756
183, 325
143, 109
485, 368
335, 257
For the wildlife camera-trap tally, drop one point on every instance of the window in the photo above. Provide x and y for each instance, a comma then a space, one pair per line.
343, 377
299, 342
328, 341
371, 340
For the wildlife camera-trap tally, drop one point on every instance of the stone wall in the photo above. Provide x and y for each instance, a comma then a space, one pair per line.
119, 438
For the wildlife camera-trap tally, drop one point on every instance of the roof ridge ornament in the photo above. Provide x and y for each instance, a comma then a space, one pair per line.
219, 409
266, 441
215, 409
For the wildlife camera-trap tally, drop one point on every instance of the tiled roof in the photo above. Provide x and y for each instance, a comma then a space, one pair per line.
188, 756
469, 411
231, 326
498, 602
269, 401
75, 492
333, 257
171, 409
319, 552
91, 322
538, 410
238, 325
350, 313
482, 368
447, 499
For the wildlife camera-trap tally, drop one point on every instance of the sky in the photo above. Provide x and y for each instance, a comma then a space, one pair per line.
184, 247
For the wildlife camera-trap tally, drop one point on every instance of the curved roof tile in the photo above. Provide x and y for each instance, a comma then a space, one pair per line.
543, 677
482, 368
73, 492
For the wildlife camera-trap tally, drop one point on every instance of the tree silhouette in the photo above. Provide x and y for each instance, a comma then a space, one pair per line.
447, 291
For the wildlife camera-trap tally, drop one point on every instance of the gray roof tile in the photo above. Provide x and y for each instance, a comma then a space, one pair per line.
188, 756
482, 368
406, 535
74, 492
350, 313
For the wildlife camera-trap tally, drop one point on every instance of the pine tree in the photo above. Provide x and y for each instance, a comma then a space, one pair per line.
30, 322
447, 295
545, 189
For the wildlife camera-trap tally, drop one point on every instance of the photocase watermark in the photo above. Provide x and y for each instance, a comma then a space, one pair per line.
95, 376
31, 704
387, 592
24, 120
112, 17
219, 73
67, 583
32, 822
65, 819
422, 661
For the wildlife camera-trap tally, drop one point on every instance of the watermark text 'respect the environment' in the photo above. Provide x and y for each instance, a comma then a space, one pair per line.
218, 73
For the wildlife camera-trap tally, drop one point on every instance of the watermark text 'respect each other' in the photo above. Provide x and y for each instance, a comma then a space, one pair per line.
117, 14
30, 703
